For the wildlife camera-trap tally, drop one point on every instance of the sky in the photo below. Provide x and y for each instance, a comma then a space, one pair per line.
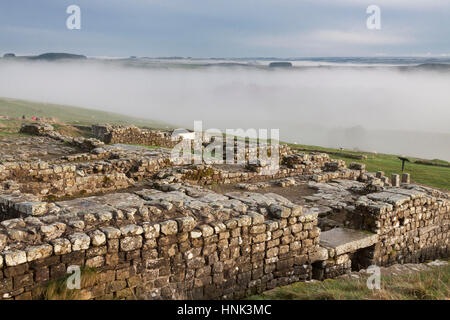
232, 28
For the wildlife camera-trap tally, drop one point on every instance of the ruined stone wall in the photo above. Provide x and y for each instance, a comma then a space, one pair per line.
211, 176
340, 263
174, 259
411, 226
332, 268
104, 172
133, 135
310, 166
47, 130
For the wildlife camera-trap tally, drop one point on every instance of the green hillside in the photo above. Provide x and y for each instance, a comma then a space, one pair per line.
435, 173
70, 114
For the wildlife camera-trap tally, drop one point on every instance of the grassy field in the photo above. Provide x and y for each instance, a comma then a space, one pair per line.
434, 176
69, 114
428, 285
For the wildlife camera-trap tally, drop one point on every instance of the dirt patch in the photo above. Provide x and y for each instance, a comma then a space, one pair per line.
137, 187
32, 148
293, 193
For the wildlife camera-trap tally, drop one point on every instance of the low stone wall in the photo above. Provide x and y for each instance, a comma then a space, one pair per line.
208, 177
173, 259
310, 166
110, 134
16, 204
105, 171
47, 130
411, 226
332, 268
238, 150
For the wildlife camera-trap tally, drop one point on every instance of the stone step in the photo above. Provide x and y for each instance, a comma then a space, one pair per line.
344, 240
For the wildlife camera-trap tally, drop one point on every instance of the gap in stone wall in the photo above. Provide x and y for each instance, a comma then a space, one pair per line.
8, 213
362, 258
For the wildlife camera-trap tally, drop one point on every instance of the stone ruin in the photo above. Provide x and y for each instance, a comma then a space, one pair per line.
154, 230
134, 135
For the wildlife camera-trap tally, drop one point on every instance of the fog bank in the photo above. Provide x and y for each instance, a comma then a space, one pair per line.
309, 105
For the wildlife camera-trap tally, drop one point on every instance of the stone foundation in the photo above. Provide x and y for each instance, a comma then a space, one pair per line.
173, 238
134, 135
178, 258
412, 226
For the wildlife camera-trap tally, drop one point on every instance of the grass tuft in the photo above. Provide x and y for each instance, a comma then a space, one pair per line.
425, 285
57, 289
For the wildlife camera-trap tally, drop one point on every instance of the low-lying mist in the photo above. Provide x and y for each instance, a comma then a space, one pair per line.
373, 109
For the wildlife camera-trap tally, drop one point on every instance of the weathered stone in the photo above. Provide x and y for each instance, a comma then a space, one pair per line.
130, 243
3, 239
13, 223
104, 216
244, 220
169, 227
15, 257
77, 224
34, 208
318, 255
151, 230
38, 252
195, 234
256, 218
206, 230
395, 180
279, 211
406, 178
131, 230
95, 262
80, 241
391, 198
98, 238
111, 233
185, 224
346, 240
357, 166
61, 246
53, 230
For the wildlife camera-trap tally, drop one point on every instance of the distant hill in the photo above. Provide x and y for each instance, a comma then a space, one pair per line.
70, 114
281, 64
58, 56
434, 66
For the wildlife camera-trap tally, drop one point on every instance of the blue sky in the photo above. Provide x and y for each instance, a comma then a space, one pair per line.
232, 28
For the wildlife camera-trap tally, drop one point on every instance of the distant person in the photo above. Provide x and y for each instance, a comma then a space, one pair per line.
23, 117
34, 118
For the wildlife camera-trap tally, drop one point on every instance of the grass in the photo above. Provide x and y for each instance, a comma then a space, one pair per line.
434, 176
147, 146
427, 285
70, 114
11, 127
57, 289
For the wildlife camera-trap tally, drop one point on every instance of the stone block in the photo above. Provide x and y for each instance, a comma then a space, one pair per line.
39, 252
347, 240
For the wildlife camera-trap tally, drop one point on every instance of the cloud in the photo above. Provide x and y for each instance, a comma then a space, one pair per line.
324, 40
